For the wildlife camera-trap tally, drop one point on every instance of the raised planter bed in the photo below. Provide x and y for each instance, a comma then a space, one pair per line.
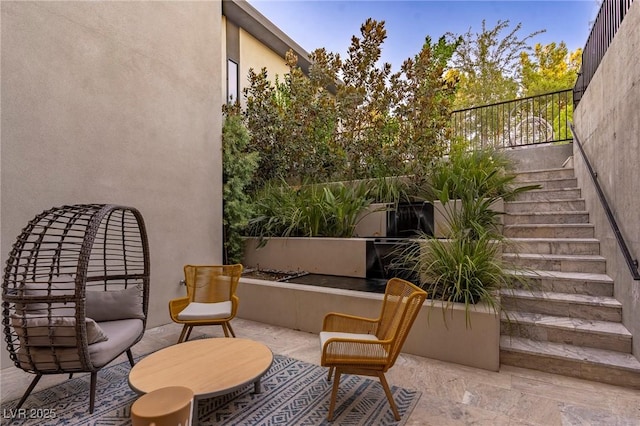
438, 334
434, 335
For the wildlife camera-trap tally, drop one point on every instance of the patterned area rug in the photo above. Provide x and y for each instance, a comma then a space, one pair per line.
293, 393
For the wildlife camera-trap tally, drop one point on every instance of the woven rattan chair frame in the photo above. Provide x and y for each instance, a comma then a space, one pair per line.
207, 284
372, 357
60, 254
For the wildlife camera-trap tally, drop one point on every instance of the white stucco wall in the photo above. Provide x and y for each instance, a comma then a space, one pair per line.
116, 102
607, 120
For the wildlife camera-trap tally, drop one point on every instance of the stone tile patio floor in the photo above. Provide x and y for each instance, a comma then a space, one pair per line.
451, 394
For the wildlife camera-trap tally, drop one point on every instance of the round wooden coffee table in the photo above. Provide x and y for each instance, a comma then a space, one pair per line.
209, 367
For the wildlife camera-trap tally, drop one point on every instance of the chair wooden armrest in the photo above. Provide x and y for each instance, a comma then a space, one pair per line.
234, 305
349, 323
176, 306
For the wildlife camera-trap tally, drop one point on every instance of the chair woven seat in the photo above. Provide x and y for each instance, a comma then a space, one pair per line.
354, 348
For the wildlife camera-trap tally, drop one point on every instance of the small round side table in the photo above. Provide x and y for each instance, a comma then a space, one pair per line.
169, 406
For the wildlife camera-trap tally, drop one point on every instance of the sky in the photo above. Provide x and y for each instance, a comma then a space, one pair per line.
330, 24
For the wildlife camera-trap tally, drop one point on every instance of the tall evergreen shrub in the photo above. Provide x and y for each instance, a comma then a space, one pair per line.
239, 166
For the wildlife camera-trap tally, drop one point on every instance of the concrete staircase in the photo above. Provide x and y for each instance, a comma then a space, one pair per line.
567, 320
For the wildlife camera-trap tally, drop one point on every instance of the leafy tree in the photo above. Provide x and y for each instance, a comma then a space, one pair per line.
238, 167
292, 123
392, 123
551, 68
307, 113
364, 100
486, 64
351, 118
262, 119
424, 105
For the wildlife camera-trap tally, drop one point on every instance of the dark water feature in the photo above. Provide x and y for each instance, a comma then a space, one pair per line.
407, 221
381, 255
410, 219
372, 285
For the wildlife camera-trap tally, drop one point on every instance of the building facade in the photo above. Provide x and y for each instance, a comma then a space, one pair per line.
120, 103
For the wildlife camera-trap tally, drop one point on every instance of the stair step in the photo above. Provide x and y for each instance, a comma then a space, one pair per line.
546, 218
563, 318
586, 363
545, 206
599, 308
555, 183
553, 245
568, 282
545, 174
550, 194
551, 230
574, 331
557, 262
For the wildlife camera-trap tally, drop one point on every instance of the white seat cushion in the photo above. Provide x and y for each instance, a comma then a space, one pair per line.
204, 311
326, 335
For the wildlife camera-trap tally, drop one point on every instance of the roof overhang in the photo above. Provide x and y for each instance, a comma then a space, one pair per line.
250, 20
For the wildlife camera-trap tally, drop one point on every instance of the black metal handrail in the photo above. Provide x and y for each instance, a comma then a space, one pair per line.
631, 262
526, 121
604, 28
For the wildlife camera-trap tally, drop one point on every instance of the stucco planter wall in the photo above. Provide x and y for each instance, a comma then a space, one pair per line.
434, 335
373, 221
318, 255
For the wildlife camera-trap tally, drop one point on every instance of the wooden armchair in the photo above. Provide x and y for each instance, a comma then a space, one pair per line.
367, 346
211, 298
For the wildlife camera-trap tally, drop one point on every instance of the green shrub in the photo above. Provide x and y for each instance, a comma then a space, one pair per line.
238, 168
480, 173
466, 267
391, 190
459, 270
329, 210
470, 217
478, 179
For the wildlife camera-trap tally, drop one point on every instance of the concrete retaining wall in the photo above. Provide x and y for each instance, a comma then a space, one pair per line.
539, 157
607, 121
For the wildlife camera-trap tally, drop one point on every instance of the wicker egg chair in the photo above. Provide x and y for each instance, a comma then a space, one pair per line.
75, 291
